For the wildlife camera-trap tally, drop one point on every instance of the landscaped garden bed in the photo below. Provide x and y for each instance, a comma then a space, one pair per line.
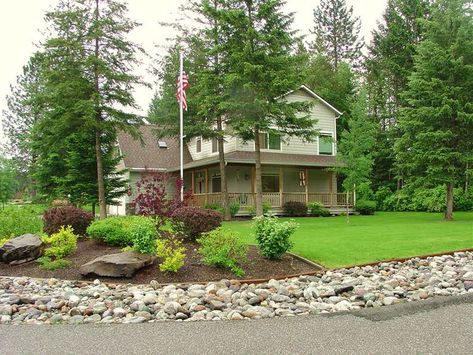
194, 270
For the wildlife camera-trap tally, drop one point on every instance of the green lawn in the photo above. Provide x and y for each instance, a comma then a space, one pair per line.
333, 242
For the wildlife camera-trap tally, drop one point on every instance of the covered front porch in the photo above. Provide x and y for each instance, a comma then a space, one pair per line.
280, 185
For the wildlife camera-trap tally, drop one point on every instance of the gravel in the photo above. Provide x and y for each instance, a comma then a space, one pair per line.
51, 301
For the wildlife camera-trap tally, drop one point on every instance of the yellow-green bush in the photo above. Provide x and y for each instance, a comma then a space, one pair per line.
172, 252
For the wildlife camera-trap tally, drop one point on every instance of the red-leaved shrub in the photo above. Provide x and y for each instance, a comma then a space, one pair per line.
152, 198
295, 209
72, 216
192, 221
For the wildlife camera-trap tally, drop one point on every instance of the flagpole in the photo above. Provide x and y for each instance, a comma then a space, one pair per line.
181, 124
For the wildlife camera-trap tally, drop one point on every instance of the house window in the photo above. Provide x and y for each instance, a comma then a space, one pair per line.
270, 183
216, 183
270, 141
198, 145
199, 183
214, 145
325, 144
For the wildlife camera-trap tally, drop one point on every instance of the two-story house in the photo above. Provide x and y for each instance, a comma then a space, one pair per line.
292, 170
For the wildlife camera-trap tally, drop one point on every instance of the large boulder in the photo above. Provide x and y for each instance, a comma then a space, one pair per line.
117, 265
21, 249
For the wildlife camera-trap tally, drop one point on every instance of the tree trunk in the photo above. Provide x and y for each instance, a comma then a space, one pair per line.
100, 177
467, 177
98, 139
258, 182
223, 172
449, 210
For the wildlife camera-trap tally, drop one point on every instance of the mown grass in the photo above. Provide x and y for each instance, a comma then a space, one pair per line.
334, 243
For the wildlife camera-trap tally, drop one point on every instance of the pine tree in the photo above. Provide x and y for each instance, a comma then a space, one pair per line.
390, 62
206, 96
335, 86
356, 149
88, 73
262, 67
24, 109
437, 122
337, 32
8, 180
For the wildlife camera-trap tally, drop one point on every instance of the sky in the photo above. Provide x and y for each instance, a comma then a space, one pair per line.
22, 23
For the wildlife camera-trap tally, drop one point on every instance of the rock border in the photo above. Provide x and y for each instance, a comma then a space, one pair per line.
50, 301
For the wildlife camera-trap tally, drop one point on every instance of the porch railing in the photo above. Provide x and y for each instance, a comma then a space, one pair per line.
276, 199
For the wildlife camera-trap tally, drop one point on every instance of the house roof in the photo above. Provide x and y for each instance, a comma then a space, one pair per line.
146, 154
313, 94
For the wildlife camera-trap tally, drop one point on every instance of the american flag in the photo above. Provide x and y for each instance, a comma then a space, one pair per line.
182, 84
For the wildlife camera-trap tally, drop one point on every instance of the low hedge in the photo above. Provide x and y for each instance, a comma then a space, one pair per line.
366, 207
193, 221
294, 209
58, 217
121, 231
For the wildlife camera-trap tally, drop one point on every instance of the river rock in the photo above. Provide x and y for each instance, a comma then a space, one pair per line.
21, 249
117, 265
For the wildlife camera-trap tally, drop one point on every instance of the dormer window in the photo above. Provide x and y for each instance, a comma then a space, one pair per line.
198, 145
162, 144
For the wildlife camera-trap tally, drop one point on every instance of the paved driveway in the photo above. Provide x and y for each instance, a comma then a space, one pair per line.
440, 325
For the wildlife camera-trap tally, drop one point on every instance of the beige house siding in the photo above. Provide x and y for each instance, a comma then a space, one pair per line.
326, 123
206, 151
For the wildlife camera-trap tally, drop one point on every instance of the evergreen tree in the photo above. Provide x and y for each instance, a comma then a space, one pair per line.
262, 67
8, 180
89, 80
206, 95
356, 149
437, 122
390, 62
337, 32
335, 86
24, 110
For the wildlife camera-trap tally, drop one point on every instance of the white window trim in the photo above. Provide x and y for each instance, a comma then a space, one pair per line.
326, 133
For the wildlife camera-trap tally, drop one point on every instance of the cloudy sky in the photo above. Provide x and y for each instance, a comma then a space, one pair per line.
22, 21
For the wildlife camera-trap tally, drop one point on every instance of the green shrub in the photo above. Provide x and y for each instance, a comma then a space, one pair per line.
172, 252
48, 264
251, 209
381, 196
119, 230
317, 209
234, 208
294, 209
463, 201
193, 221
273, 236
143, 235
365, 207
3, 241
17, 221
61, 244
216, 207
55, 218
223, 249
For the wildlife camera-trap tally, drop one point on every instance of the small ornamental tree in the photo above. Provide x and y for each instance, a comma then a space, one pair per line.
153, 199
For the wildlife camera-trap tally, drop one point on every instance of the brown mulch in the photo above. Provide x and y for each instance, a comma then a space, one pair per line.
193, 270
